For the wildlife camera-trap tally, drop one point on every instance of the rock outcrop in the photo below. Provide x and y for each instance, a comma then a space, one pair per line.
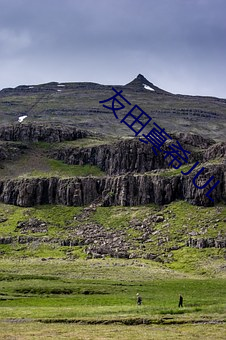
125, 190
34, 133
120, 158
201, 243
194, 140
215, 151
125, 163
11, 150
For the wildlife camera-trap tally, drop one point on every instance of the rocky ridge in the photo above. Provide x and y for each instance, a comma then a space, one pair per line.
133, 156
135, 175
125, 190
37, 132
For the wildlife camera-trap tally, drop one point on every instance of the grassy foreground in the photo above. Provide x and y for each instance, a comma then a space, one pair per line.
96, 299
106, 332
52, 291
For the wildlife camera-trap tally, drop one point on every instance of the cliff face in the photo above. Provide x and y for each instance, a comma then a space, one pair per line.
216, 150
126, 190
120, 158
35, 133
124, 162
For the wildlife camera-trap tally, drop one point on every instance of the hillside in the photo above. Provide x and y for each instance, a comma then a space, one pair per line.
90, 215
77, 104
72, 151
114, 195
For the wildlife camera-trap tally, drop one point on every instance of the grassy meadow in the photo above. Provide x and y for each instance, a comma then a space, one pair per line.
52, 291
96, 299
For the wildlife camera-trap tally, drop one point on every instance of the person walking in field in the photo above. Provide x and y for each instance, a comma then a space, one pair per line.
180, 301
139, 299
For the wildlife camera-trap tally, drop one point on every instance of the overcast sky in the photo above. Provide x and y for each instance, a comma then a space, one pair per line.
179, 45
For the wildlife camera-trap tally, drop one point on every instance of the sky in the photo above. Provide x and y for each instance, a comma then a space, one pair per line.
179, 45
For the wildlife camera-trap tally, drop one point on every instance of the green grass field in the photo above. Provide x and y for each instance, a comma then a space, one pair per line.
110, 332
99, 296
53, 291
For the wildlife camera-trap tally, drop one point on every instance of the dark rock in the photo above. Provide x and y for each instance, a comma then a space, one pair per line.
151, 256
195, 140
215, 151
159, 219
32, 225
207, 243
130, 190
35, 133
118, 158
124, 159
6, 240
10, 151
70, 242
174, 248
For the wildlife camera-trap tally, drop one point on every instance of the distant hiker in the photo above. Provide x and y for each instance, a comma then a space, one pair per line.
180, 301
139, 299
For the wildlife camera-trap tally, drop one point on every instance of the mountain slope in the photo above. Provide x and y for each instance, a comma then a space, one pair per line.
78, 104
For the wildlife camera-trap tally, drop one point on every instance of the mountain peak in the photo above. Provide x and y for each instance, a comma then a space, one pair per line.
140, 83
141, 77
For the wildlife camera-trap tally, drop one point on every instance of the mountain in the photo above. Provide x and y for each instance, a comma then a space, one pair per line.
77, 104
115, 196
140, 83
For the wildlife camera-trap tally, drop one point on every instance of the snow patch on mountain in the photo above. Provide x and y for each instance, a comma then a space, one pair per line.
148, 87
21, 118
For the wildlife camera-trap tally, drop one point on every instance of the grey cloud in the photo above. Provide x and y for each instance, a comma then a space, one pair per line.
178, 44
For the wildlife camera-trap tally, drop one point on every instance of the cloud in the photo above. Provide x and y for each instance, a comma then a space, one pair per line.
13, 42
178, 44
